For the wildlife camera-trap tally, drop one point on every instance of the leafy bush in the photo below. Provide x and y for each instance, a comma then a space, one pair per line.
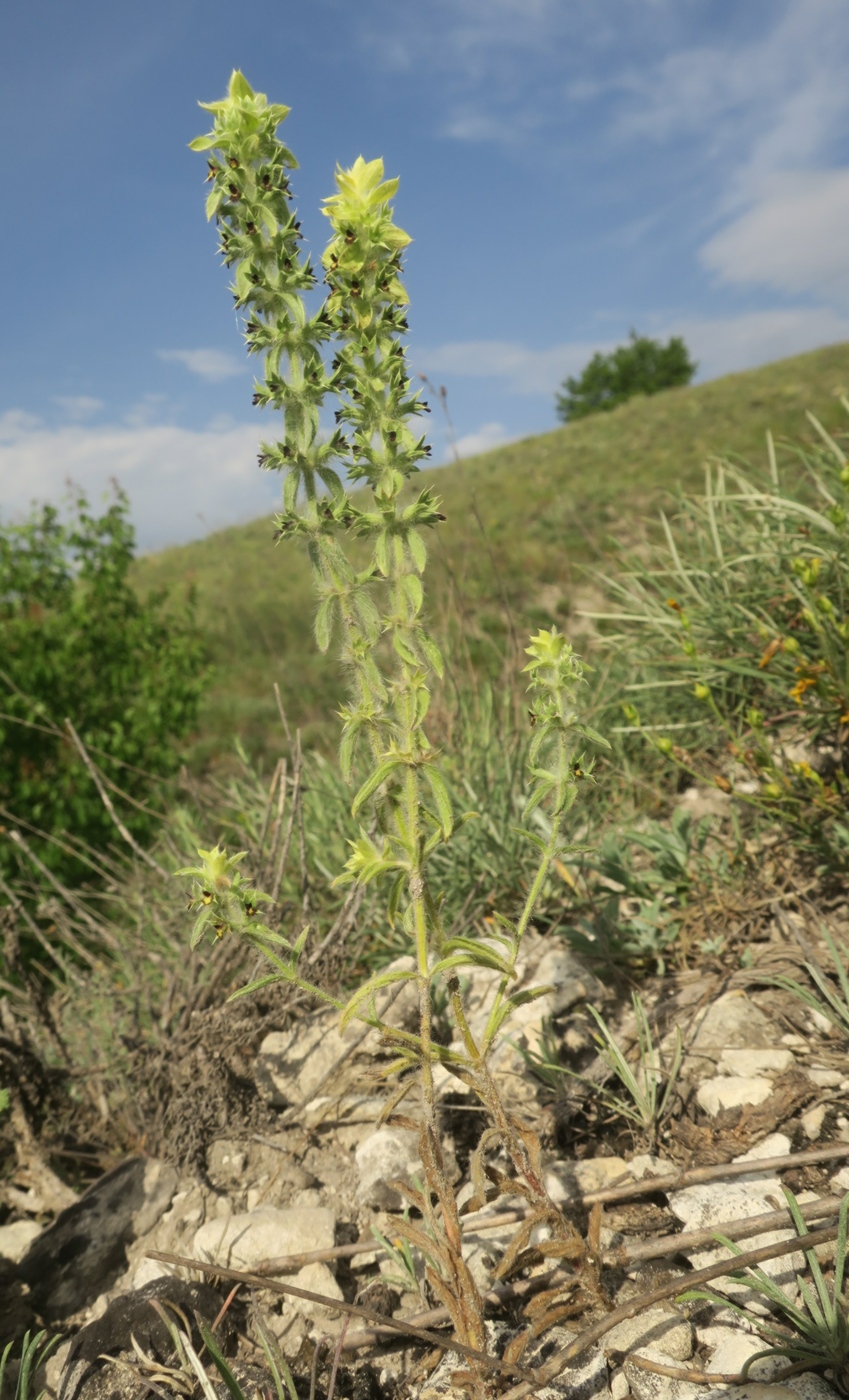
77, 642
642, 367
739, 624
676, 871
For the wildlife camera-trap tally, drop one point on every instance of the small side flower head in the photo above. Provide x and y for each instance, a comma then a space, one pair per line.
226, 903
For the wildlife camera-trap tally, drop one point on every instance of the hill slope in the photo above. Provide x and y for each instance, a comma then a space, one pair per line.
523, 523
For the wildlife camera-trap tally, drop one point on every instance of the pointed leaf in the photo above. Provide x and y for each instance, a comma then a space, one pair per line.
441, 798
378, 777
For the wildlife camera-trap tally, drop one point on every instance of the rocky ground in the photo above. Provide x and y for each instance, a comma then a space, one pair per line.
763, 1077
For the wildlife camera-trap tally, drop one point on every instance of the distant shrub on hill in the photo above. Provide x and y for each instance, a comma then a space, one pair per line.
77, 642
643, 366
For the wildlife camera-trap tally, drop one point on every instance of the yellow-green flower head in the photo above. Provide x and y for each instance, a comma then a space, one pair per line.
362, 191
242, 99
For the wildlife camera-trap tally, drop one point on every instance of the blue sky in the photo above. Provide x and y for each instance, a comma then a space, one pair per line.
569, 169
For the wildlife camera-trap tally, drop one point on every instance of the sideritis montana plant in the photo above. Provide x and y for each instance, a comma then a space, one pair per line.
349, 353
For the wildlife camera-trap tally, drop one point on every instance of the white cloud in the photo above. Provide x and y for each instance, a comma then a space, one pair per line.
181, 483
793, 237
488, 435
78, 406
212, 365
526, 371
721, 345
724, 345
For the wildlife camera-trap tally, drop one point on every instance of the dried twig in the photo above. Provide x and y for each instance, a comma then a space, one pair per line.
278, 820
109, 805
642, 1302
697, 1377
620, 1257
732, 1229
331, 1387
70, 898
496, 1297
279, 769
283, 720
352, 1309
695, 1175
293, 810
342, 924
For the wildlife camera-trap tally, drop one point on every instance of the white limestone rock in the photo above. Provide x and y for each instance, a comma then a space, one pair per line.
709, 1205
713, 1095
665, 1330
388, 1155
242, 1241
15, 1239
648, 1385
748, 1064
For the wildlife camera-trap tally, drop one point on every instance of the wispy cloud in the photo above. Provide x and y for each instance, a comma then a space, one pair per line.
726, 344
211, 365
525, 370
720, 344
793, 237
181, 483
487, 436
78, 406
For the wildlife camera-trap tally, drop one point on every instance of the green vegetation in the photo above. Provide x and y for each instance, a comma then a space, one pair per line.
649, 1085
642, 367
79, 643
739, 619
548, 507
813, 1336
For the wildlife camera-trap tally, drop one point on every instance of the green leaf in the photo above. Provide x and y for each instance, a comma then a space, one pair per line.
377, 779
323, 621
200, 924
256, 986
418, 550
441, 798
367, 991
394, 897
432, 652
412, 587
403, 648
531, 836
479, 949
226, 1374
213, 202
506, 1007
203, 143
587, 732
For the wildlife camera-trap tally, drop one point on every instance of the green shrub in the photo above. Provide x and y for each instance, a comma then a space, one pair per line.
642, 367
77, 642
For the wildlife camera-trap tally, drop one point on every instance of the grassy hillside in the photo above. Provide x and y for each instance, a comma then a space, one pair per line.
524, 521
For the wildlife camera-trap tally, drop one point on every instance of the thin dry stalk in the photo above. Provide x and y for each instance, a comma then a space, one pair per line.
697, 1377
496, 1297
626, 1254
342, 924
695, 1175
278, 820
110, 807
102, 931
352, 1309
279, 772
297, 772
643, 1302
